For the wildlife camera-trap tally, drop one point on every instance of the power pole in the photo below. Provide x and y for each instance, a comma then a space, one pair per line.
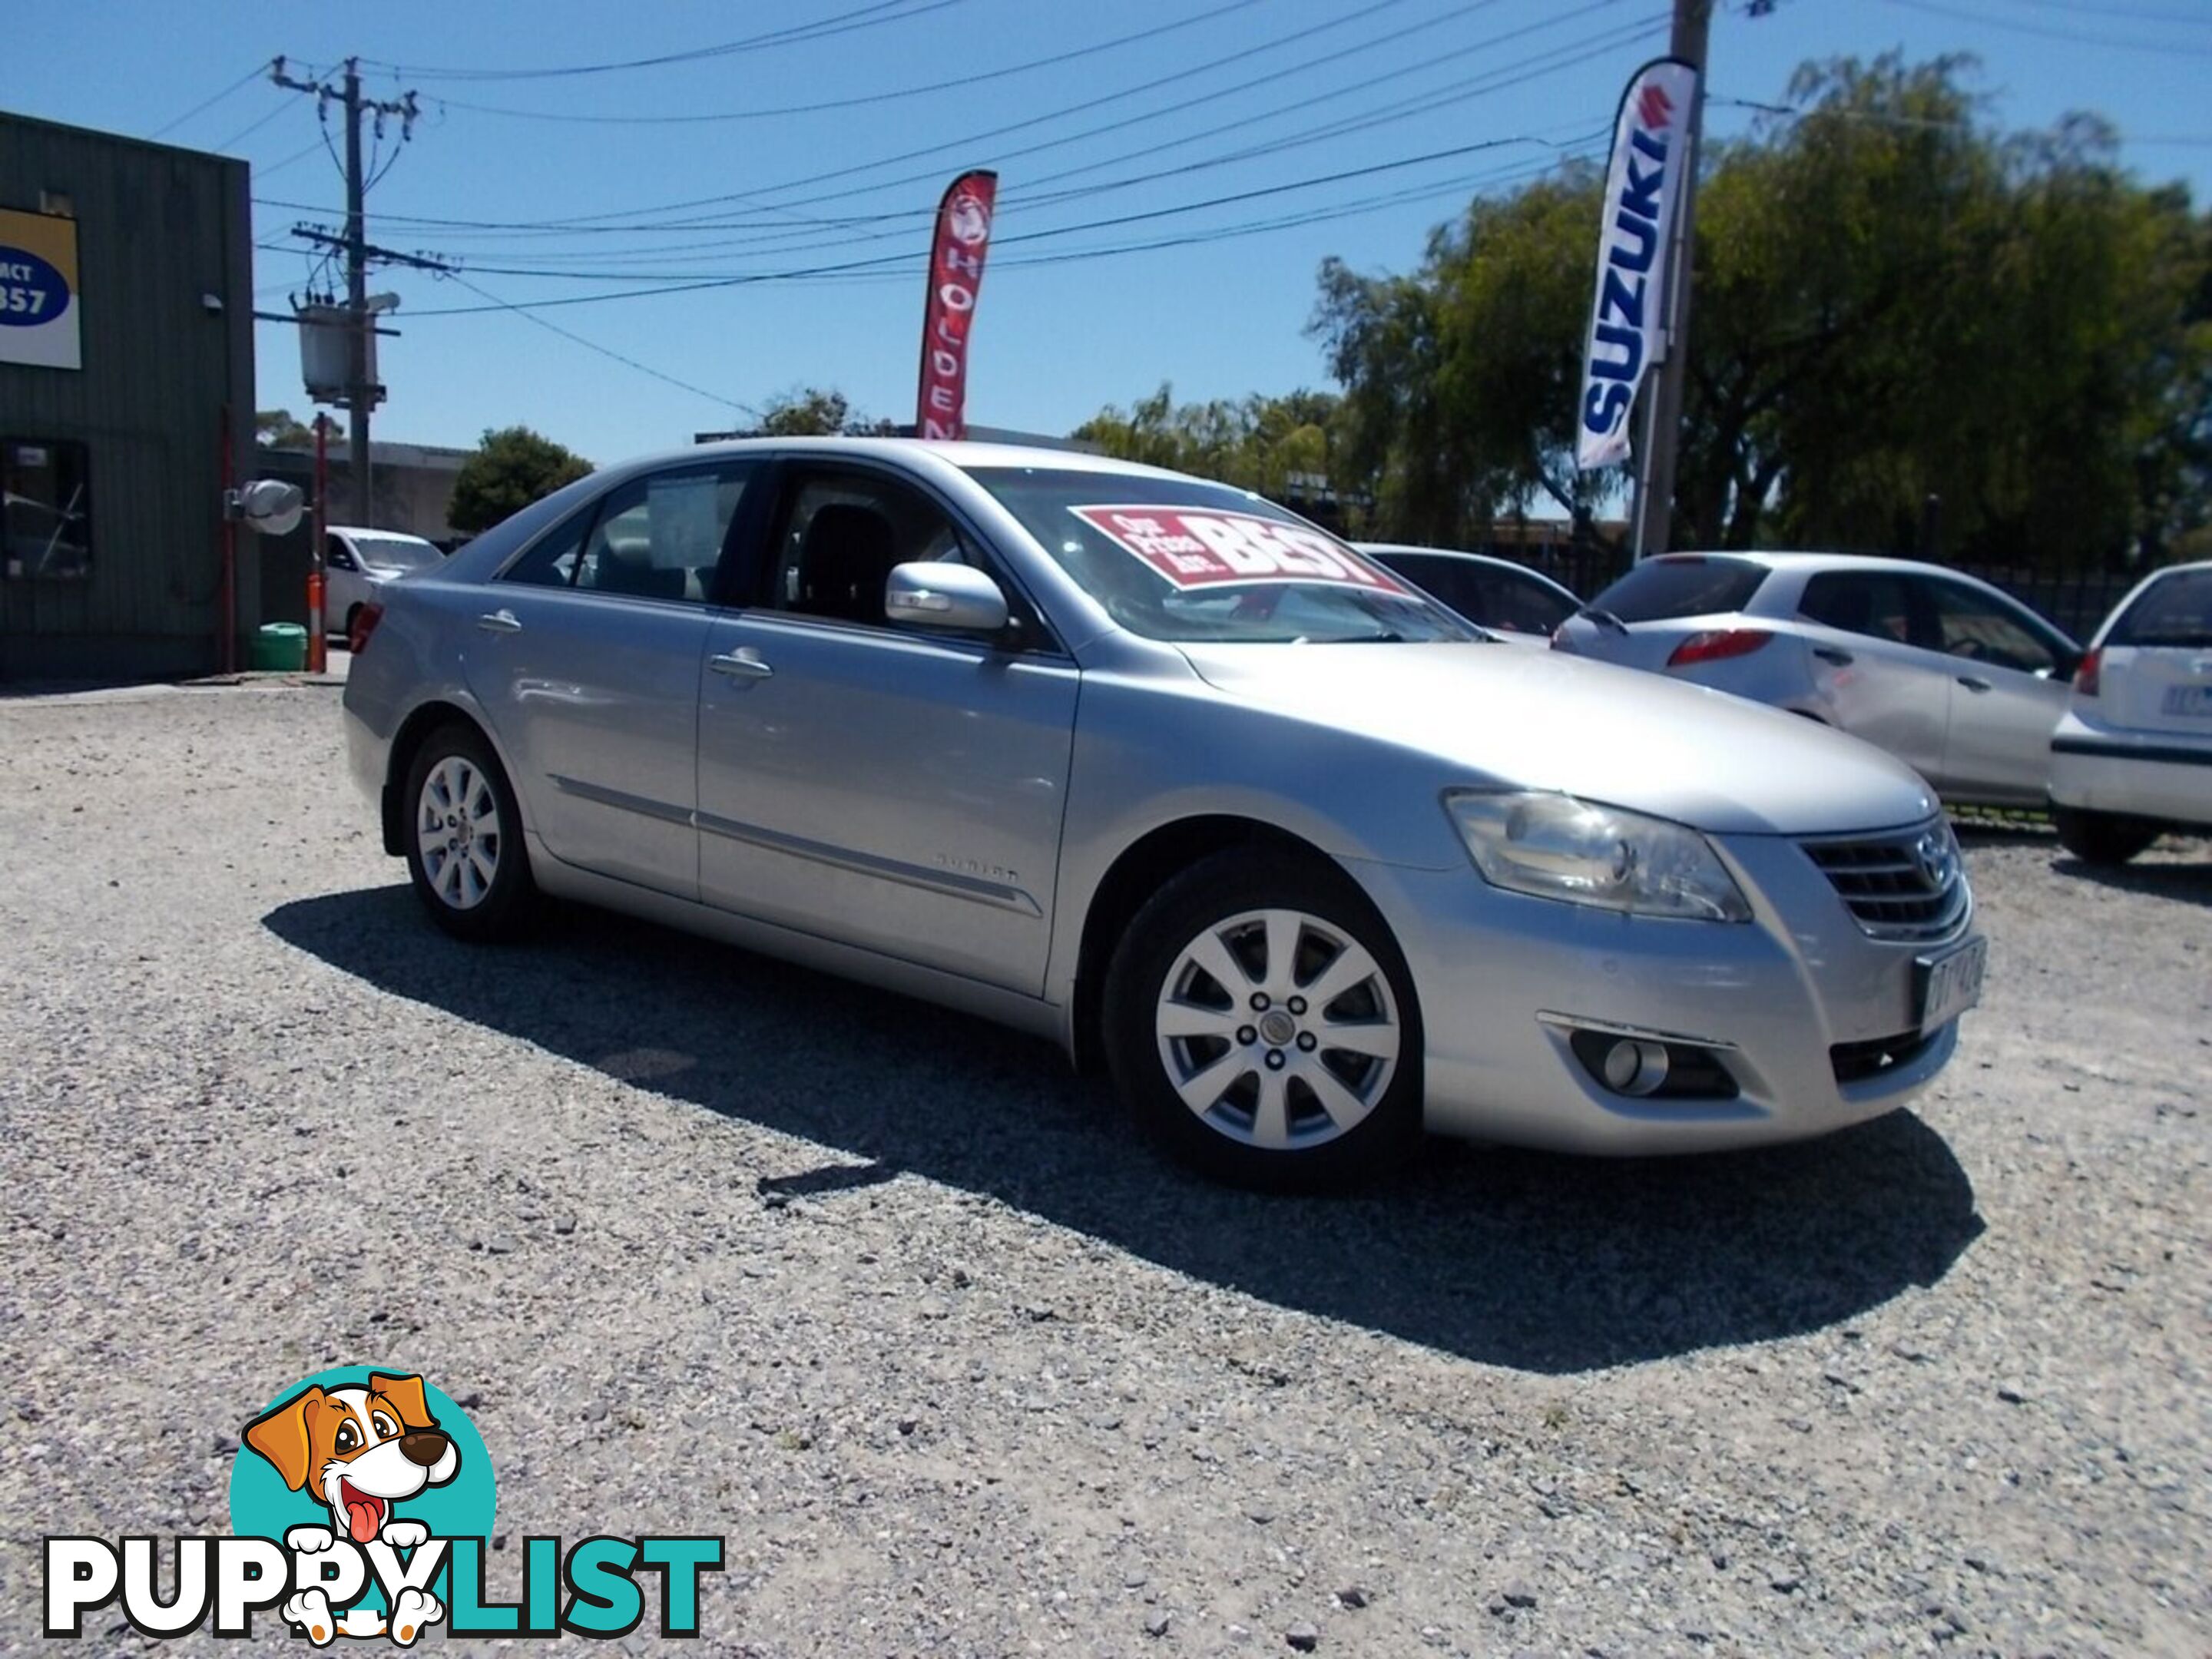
363, 393
1663, 426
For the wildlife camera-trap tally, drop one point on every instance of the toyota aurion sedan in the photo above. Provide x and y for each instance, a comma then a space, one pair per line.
2133, 757
1151, 767
1953, 677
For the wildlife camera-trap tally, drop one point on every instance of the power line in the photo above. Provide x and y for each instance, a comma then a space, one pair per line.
867, 99
251, 75
1934, 9
1500, 78
247, 132
747, 278
865, 17
529, 316
592, 225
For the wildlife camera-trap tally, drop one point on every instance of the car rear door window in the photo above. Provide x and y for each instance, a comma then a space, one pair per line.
1661, 590
1877, 605
658, 537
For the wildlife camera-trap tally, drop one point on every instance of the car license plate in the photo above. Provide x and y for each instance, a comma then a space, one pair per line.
1950, 985
2189, 700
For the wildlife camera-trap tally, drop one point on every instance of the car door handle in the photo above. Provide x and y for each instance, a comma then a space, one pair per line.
499, 622
741, 665
1972, 684
1829, 654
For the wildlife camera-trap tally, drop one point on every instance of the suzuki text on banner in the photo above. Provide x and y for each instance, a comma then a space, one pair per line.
956, 278
1628, 318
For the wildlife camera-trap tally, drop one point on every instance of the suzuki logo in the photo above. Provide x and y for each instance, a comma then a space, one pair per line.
1655, 107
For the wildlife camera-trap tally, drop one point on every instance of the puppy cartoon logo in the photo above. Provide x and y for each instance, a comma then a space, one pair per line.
361, 1506
360, 1451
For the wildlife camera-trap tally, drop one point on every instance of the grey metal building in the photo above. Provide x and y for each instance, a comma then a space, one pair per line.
126, 371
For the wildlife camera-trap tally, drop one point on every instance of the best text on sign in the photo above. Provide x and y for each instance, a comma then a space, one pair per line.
1205, 548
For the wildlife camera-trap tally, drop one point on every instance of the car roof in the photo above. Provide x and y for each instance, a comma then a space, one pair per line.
961, 453
371, 530
1774, 560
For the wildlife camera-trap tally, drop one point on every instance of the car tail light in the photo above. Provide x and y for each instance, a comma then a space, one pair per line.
364, 623
2087, 676
1716, 645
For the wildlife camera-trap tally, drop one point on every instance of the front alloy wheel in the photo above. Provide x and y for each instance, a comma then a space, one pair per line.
1261, 1021
1278, 1029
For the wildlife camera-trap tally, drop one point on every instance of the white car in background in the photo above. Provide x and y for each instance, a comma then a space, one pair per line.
356, 562
2133, 756
1960, 681
1512, 601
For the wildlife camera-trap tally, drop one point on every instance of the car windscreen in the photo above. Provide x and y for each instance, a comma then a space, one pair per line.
1180, 560
2174, 610
398, 552
1663, 589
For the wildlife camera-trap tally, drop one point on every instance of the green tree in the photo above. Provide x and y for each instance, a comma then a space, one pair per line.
1892, 301
512, 467
812, 411
276, 428
1279, 447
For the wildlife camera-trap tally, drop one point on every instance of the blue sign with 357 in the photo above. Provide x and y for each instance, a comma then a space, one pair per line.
31, 290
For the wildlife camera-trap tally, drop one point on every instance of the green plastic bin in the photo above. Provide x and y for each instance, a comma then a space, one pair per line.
279, 646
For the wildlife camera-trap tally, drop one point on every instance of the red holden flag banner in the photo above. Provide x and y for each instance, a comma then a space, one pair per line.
956, 277
1628, 316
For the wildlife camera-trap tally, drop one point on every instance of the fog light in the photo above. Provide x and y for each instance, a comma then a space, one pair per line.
1635, 1068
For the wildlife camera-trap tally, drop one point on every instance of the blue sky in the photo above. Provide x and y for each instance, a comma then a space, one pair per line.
1165, 118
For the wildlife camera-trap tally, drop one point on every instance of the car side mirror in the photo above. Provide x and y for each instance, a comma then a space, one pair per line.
956, 598
339, 559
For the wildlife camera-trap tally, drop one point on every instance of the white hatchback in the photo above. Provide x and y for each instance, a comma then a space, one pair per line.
2132, 757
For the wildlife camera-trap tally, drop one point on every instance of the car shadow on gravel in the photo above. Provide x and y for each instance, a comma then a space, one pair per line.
2155, 878
1540, 1263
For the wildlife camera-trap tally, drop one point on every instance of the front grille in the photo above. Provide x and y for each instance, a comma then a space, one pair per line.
1907, 884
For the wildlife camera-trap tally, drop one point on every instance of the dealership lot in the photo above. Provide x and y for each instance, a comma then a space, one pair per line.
708, 1244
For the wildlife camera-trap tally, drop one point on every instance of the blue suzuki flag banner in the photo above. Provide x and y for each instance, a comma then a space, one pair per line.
1628, 317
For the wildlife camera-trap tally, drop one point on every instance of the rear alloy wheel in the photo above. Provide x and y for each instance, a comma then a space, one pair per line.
1261, 1024
2102, 837
464, 849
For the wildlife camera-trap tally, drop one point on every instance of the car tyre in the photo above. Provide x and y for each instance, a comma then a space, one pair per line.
465, 851
1261, 1025
2102, 837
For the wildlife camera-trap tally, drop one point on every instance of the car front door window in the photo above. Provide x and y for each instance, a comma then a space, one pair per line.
1982, 628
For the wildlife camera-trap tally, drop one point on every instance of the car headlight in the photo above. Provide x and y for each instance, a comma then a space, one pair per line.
1556, 846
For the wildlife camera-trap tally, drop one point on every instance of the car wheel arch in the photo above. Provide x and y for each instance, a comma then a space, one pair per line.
1140, 870
407, 742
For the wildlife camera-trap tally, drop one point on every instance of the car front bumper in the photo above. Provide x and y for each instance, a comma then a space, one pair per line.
2102, 769
1812, 1020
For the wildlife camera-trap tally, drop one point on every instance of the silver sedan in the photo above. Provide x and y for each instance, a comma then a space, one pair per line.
1151, 767
1953, 677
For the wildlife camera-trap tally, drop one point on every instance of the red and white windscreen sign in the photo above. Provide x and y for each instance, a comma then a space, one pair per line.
1203, 547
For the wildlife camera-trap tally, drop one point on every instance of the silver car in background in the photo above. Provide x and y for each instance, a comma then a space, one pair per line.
2133, 757
1512, 601
1150, 768
1955, 678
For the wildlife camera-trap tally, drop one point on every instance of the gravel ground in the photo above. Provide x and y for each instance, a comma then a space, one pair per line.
885, 1295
